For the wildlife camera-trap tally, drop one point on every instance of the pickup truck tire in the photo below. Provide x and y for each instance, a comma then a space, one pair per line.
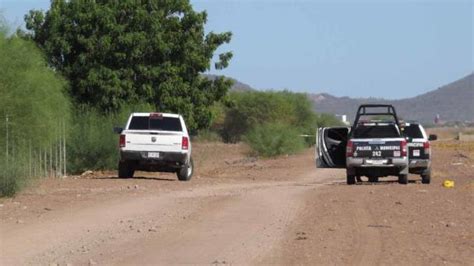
403, 179
125, 170
186, 172
426, 179
373, 179
351, 179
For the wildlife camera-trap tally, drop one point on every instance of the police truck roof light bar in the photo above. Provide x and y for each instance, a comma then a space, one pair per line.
362, 111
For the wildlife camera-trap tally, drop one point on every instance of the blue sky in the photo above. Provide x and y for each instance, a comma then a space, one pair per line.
390, 49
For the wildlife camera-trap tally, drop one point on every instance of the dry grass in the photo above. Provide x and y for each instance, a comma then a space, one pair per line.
448, 133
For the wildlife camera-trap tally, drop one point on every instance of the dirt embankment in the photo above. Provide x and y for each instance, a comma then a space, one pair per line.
243, 210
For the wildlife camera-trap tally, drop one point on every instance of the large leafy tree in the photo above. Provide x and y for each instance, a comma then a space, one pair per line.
117, 52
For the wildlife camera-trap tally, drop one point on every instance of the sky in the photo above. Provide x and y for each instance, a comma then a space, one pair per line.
386, 48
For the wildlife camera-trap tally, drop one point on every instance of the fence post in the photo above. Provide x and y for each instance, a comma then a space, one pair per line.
30, 159
45, 163
64, 148
51, 160
6, 144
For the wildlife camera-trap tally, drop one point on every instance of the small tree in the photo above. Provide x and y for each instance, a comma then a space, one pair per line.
117, 52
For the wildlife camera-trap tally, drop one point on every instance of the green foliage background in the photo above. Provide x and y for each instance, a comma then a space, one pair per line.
93, 145
32, 96
247, 109
272, 139
86, 65
117, 53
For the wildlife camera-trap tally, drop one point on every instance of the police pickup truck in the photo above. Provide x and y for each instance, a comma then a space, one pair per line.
155, 142
419, 151
371, 147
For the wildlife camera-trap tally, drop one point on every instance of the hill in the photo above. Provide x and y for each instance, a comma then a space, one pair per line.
453, 102
237, 86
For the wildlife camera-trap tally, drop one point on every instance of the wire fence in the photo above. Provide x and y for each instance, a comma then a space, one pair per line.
24, 157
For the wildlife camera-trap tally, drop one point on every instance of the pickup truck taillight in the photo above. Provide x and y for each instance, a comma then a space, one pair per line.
349, 149
122, 141
403, 147
426, 146
185, 143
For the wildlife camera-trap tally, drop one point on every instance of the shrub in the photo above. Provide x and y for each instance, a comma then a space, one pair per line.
207, 136
92, 143
249, 109
33, 106
272, 139
327, 120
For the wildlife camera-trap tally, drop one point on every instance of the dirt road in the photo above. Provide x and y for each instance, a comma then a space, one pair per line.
241, 210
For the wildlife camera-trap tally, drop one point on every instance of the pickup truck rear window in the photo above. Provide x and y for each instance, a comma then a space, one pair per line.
376, 131
162, 123
413, 131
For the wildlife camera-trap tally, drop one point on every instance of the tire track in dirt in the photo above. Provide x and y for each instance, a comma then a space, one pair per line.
226, 222
367, 237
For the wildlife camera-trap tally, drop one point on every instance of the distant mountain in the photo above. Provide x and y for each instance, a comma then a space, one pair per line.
238, 86
453, 102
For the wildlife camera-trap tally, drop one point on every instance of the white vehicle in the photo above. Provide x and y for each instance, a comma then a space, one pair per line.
419, 151
155, 142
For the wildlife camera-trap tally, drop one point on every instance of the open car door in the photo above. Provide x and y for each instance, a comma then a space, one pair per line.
331, 147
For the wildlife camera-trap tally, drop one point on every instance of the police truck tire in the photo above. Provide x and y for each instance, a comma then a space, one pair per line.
426, 179
351, 179
373, 179
403, 179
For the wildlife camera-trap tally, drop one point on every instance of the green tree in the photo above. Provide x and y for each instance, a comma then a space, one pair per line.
122, 52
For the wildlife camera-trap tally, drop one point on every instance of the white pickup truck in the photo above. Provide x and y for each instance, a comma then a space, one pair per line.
155, 142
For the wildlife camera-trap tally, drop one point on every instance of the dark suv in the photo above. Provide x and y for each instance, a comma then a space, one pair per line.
419, 152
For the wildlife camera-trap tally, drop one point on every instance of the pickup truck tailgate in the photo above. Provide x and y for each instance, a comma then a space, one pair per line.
153, 141
377, 148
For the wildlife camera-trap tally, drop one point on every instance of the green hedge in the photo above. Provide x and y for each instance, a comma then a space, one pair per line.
92, 143
274, 139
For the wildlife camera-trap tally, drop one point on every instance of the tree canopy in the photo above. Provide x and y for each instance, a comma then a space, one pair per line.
118, 52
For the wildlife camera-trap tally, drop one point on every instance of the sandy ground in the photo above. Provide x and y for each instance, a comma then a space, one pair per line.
243, 210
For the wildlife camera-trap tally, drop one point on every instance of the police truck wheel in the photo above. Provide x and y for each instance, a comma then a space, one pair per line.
403, 179
373, 179
426, 179
351, 179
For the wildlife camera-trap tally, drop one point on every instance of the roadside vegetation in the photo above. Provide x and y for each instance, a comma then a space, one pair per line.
92, 143
271, 122
33, 112
80, 68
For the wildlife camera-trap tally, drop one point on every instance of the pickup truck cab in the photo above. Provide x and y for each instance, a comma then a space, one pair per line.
369, 148
155, 142
419, 151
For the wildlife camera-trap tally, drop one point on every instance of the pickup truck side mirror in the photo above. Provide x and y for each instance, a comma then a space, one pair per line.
432, 137
118, 130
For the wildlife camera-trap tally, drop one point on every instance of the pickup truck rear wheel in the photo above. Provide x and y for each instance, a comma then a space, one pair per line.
426, 179
125, 170
403, 179
373, 179
351, 179
186, 172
